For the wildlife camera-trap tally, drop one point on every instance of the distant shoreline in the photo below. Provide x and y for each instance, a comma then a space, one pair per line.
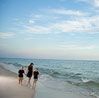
50, 59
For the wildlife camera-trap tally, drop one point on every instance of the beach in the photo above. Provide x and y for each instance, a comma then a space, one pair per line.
9, 88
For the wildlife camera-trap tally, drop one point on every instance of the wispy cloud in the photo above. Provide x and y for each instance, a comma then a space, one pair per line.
61, 20
94, 3
31, 21
67, 12
4, 35
77, 47
36, 16
37, 29
78, 25
88, 25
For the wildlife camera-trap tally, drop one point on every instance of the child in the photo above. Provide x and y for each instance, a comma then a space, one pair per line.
29, 73
20, 75
35, 76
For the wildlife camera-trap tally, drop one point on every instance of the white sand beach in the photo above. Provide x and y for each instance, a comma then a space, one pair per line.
9, 88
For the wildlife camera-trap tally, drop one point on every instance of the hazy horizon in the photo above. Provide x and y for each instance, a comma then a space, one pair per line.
49, 29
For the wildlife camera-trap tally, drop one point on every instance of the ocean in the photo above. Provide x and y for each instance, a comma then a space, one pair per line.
80, 73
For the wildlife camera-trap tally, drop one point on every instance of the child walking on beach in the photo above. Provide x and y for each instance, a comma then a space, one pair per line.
35, 76
20, 75
30, 72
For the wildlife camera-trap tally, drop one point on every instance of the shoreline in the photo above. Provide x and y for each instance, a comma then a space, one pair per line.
9, 88
5, 72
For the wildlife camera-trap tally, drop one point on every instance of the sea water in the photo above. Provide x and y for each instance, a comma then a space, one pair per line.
82, 73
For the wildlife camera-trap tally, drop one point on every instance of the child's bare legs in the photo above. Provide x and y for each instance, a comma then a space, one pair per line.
29, 81
34, 83
20, 80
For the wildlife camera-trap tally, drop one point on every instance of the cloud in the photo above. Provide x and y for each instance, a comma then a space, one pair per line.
36, 16
4, 35
76, 25
31, 21
96, 3
88, 25
37, 29
77, 47
46, 21
67, 12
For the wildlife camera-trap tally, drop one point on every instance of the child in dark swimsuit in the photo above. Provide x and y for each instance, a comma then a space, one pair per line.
30, 72
20, 75
35, 74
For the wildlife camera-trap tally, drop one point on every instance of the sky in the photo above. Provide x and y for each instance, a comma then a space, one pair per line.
49, 29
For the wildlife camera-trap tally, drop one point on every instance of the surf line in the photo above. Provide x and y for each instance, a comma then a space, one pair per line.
60, 90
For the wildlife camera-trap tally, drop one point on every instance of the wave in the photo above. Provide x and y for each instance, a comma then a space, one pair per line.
59, 73
14, 67
73, 78
11, 67
15, 64
85, 80
90, 82
94, 95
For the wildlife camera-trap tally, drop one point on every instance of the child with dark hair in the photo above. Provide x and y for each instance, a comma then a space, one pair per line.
20, 75
30, 72
35, 77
